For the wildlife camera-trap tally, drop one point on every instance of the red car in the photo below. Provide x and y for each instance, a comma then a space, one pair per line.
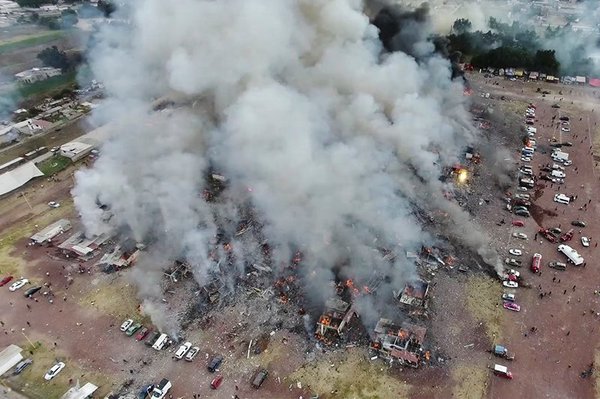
548, 235
567, 236
511, 306
5, 280
142, 334
536, 263
216, 382
518, 223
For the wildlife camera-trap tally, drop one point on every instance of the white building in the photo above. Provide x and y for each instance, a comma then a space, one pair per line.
36, 74
47, 234
75, 150
80, 393
9, 358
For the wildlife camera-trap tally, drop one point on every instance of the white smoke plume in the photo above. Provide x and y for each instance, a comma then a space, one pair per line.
330, 141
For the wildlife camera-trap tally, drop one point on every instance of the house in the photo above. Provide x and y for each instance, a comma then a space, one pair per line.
332, 322
415, 294
75, 150
79, 246
37, 74
46, 235
534, 75
30, 127
402, 344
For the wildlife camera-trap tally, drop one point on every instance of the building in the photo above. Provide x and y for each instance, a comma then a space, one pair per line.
30, 127
79, 246
332, 322
8, 135
49, 233
75, 150
9, 358
83, 392
118, 259
37, 74
415, 294
402, 344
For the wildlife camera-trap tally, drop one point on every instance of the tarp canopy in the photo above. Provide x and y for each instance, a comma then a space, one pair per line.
9, 358
15, 178
80, 393
595, 82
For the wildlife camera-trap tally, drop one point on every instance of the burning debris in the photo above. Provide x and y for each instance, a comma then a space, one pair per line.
400, 344
332, 322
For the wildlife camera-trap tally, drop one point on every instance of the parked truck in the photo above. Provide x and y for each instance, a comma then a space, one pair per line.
502, 351
161, 390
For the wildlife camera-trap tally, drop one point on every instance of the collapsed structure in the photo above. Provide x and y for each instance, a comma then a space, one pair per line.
334, 319
402, 344
82, 247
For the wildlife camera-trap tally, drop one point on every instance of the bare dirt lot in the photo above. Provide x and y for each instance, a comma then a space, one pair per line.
81, 324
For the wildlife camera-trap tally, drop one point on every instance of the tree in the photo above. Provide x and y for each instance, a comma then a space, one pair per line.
461, 25
107, 7
53, 57
69, 18
545, 61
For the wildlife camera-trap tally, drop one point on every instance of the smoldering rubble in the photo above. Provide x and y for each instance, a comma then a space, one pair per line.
327, 141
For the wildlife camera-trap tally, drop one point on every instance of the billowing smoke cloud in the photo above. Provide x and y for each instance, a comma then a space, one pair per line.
329, 143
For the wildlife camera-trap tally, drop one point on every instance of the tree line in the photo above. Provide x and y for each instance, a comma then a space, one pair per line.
515, 45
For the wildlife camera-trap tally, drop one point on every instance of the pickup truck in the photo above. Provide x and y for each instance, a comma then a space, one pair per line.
161, 390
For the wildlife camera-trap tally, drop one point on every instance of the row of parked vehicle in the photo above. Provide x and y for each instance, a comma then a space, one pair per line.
18, 284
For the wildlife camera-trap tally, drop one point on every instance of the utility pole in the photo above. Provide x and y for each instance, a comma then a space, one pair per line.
25, 198
27, 338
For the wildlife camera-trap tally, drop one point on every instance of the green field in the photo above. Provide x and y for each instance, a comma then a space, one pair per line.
45, 87
20, 42
54, 164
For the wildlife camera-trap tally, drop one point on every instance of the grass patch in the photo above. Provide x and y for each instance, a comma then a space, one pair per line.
471, 381
21, 42
482, 301
596, 375
48, 86
54, 164
115, 298
31, 381
352, 377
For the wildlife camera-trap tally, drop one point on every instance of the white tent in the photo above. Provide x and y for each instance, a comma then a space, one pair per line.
15, 178
9, 358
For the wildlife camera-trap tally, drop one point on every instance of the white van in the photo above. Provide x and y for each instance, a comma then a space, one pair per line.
160, 342
562, 199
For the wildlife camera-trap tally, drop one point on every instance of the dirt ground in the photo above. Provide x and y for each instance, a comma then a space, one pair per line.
466, 315
550, 360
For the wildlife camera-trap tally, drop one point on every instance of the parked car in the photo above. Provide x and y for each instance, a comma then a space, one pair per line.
555, 230
521, 188
508, 297
515, 252
567, 144
53, 204
22, 365
182, 350
548, 235
536, 263
565, 129
216, 382
578, 223
557, 265
18, 284
215, 363
145, 391
521, 202
502, 371
161, 390
510, 284
54, 371
585, 241
259, 378
126, 324
192, 353
518, 223
151, 339
142, 334
133, 328
511, 306
526, 159
512, 262
5, 280
567, 162
30, 292
524, 213
521, 236
567, 236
